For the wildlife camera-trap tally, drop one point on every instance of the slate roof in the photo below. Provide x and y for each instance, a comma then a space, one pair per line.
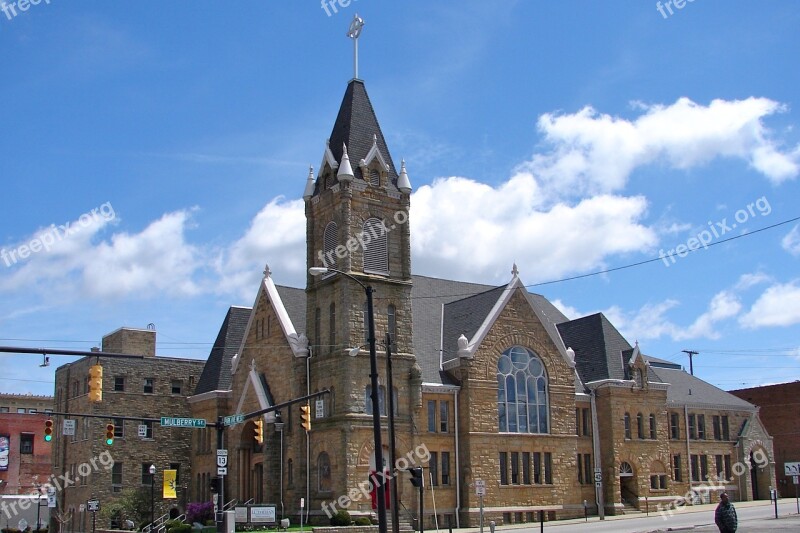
688, 389
217, 370
355, 125
598, 347
294, 300
465, 316
428, 295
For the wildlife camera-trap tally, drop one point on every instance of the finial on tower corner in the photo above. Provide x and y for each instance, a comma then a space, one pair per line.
515, 270
309, 191
345, 172
403, 183
267, 271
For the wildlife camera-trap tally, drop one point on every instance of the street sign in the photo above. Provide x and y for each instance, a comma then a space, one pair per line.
51, 498
93, 506
598, 484
480, 487
222, 451
215, 498
175, 422
791, 469
222, 460
598, 477
222, 471
320, 408
233, 420
796, 480
142, 430
69, 427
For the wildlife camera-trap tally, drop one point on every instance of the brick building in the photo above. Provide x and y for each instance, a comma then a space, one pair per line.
490, 383
780, 411
144, 386
24, 455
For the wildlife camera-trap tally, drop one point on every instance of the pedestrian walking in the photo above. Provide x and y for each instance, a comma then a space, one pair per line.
725, 515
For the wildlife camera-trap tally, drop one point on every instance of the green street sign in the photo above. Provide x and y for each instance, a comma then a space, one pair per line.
233, 420
175, 422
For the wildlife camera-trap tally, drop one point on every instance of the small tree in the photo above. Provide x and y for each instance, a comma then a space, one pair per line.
131, 504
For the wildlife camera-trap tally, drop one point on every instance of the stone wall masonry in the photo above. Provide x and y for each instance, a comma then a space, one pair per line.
167, 447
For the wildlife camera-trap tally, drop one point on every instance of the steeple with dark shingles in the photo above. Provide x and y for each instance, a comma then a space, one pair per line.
357, 127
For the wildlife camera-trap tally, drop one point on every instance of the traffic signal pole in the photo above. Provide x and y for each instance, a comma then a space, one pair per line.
220, 425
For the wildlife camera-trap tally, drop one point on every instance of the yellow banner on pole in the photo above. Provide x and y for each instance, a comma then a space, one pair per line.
170, 484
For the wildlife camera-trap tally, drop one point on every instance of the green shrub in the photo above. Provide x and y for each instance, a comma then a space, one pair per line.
180, 528
342, 518
363, 521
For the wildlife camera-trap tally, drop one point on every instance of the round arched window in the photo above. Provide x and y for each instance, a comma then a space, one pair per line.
522, 402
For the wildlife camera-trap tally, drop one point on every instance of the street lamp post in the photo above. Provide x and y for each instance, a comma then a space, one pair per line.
152, 496
393, 480
376, 408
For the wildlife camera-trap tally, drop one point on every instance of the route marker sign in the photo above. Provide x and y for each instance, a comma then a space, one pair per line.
176, 422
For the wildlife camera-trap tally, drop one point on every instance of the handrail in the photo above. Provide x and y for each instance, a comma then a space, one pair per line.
230, 504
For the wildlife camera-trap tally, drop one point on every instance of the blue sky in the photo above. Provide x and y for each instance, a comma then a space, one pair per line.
568, 137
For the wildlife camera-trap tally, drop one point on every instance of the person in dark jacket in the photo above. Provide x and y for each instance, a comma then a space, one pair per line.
725, 515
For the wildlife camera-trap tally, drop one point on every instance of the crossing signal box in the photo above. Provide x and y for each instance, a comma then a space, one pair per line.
259, 431
214, 485
48, 430
96, 383
305, 415
110, 434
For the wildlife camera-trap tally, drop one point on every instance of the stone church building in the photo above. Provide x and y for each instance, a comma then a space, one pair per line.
490, 383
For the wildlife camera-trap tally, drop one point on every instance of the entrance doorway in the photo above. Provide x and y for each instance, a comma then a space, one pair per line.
629, 493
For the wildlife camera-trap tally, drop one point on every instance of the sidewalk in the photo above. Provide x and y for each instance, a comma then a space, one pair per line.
689, 509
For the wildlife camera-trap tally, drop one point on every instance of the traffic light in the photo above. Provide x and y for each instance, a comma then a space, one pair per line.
95, 383
259, 431
305, 414
214, 485
416, 476
110, 434
48, 430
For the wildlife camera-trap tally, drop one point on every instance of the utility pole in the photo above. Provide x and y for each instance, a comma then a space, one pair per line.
690, 353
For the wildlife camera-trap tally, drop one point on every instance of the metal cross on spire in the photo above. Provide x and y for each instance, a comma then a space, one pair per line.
354, 32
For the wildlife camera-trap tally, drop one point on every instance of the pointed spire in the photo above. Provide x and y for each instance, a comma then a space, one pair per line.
403, 183
309, 192
345, 170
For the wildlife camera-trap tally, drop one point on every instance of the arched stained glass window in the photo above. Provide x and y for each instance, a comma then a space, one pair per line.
522, 398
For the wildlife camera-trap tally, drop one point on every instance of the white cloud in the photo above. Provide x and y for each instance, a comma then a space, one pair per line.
791, 242
596, 153
723, 305
569, 311
276, 237
779, 305
155, 261
751, 280
464, 229
651, 320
